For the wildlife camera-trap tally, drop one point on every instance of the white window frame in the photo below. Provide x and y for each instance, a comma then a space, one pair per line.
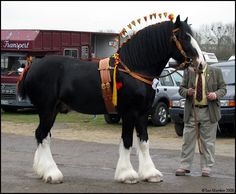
71, 49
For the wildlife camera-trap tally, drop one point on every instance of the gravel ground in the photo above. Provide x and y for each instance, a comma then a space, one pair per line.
160, 137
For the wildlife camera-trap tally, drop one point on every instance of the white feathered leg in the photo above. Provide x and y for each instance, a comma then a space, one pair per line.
124, 169
147, 170
44, 164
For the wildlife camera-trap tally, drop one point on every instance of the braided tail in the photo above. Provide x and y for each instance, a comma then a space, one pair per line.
20, 86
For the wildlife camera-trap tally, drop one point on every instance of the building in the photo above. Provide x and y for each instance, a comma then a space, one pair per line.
17, 44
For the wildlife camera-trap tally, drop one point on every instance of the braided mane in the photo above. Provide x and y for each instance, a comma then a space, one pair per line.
148, 48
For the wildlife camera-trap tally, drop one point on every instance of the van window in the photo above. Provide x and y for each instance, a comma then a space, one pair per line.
178, 78
228, 74
12, 63
166, 81
71, 52
84, 52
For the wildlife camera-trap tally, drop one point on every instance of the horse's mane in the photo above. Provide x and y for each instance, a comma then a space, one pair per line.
147, 47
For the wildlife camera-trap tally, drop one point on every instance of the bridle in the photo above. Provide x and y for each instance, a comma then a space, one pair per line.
187, 60
148, 79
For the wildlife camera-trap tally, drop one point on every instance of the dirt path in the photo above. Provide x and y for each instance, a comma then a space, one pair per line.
160, 138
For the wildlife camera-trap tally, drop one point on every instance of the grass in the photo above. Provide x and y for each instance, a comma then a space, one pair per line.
71, 117
85, 121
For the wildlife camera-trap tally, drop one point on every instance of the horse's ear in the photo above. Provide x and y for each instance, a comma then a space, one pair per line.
177, 22
186, 20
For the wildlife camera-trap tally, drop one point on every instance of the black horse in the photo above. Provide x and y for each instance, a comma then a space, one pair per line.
57, 83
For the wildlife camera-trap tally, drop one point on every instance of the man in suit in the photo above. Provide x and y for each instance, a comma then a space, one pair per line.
201, 115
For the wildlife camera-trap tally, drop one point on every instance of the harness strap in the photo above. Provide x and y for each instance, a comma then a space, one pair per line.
106, 79
106, 86
135, 75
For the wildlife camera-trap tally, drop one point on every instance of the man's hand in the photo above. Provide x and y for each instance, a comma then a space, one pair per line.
191, 91
211, 96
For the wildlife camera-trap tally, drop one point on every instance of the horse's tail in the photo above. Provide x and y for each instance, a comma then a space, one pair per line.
21, 83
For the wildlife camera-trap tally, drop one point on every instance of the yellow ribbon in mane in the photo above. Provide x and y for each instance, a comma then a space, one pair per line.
114, 95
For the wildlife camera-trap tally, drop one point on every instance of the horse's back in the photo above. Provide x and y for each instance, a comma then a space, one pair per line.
72, 81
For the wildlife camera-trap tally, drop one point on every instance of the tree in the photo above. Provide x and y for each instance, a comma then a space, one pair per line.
218, 38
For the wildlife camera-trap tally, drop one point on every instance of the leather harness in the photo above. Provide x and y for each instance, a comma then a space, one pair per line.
106, 86
105, 68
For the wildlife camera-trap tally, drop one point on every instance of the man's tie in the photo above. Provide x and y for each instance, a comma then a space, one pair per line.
199, 84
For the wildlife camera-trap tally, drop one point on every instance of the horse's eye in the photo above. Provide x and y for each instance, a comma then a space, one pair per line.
187, 37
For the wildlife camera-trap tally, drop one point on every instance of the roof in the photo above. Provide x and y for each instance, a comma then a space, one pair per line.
30, 35
19, 35
224, 63
231, 58
44, 40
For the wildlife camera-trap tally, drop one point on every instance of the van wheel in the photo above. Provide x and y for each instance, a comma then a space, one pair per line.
179, 128
112, 118
160, 114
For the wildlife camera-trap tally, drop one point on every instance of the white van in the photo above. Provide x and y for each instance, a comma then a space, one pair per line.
231, 58
210, 57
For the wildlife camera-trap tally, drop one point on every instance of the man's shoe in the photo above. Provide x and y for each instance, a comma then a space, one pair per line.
181, 172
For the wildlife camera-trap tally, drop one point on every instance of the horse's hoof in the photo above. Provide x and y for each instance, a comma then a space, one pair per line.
155, 179
129, 177
154, 176
51, 180
53, 177
131, 181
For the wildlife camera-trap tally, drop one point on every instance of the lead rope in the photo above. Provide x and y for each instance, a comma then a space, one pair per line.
197, 128
178, 45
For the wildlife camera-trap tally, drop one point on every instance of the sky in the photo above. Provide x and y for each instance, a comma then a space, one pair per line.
107, 15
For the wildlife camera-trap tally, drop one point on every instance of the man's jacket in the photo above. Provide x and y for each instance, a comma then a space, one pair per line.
214, 83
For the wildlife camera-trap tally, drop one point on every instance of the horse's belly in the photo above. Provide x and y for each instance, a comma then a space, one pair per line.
81, 90
89, 108
85, 103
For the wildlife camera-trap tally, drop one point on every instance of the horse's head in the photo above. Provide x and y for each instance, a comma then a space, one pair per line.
185, 49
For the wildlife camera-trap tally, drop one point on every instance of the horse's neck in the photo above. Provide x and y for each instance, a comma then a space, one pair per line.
146, 55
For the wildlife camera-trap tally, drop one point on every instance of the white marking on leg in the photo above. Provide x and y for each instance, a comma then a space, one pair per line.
44, 165
124, 169
147, 170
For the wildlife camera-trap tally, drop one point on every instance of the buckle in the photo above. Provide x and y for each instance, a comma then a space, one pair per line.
103, 86
107, 85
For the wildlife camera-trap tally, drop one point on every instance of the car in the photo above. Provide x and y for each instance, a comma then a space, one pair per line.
227, 102
167, 87
231, 58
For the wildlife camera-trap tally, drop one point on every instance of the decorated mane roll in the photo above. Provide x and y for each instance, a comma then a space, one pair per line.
136, 25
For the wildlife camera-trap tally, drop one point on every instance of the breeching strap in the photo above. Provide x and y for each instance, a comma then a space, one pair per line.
106, 86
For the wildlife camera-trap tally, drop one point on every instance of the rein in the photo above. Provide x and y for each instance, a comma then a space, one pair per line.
186, 61
197, 125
